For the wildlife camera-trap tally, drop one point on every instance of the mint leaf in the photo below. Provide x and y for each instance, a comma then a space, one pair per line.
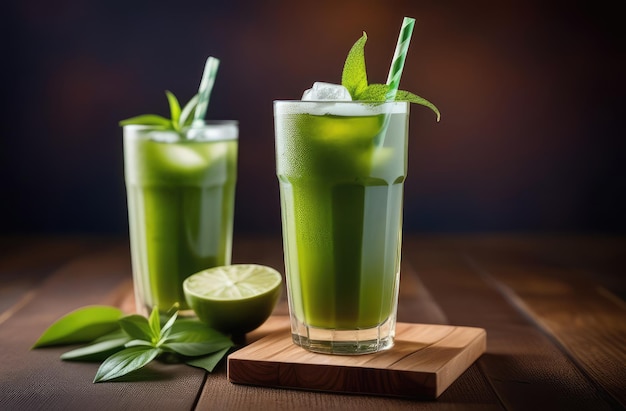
208, 362
413, 98
124, 362
80, 326
179, 118
354, 75
373, 92
354, 78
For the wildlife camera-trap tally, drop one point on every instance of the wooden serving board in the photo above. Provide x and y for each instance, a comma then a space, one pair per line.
424, 361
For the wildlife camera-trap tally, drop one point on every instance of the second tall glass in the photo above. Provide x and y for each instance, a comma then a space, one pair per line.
341, 168
180, 190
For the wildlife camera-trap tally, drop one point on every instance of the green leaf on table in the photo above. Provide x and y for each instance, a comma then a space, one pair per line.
192, 346
191, 337
208, 362
155, 323
80, 326
124, 362
167, 328
100, 349
137, 327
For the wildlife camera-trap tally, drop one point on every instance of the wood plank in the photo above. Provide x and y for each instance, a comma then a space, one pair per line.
39, 380
425, 360
523, 365
587, 320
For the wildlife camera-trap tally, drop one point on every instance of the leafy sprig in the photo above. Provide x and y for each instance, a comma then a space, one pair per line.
354, 78
179, 118
128, 343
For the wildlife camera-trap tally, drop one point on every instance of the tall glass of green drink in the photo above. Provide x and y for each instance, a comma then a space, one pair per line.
341, 168
341, 161
180, 190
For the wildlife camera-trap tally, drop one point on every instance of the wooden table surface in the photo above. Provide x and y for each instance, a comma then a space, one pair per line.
553, 307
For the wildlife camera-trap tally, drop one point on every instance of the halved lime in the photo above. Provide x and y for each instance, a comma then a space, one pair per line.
234, 299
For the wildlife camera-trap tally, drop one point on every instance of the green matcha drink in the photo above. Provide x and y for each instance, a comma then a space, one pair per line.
341, 168
180, 190
341, 161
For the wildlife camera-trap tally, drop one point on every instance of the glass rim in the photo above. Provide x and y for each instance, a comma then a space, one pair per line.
340, 108
361, 102
206, 123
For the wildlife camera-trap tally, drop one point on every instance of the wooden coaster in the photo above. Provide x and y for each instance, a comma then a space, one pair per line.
424, 361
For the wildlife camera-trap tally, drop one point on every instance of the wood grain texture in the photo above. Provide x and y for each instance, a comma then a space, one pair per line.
522, 363
551, 307
586, 319
424, 361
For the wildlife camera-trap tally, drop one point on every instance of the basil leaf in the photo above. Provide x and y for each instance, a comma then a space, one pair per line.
99, 350
197, 348
125, 361
80, 326
174, 109
208, 362
148, 120
193, 338
354, 75
137, 327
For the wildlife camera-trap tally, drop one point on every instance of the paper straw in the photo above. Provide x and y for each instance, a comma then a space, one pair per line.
206, 85
395, 71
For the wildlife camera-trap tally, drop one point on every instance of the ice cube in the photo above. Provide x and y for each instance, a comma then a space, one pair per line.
326, 91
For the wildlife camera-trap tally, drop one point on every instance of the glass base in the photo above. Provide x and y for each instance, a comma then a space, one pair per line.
344, 342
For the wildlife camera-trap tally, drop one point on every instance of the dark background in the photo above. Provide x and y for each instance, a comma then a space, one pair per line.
531, 95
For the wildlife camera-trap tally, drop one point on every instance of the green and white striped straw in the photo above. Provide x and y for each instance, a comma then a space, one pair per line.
206, 86
397, 64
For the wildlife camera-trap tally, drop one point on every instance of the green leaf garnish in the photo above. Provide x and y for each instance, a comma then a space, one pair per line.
208, 362
179, 118
125, 361
354, 75
193, 338
128, 343
354, 78
174, 109
137, 327
100, 349
80, 326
